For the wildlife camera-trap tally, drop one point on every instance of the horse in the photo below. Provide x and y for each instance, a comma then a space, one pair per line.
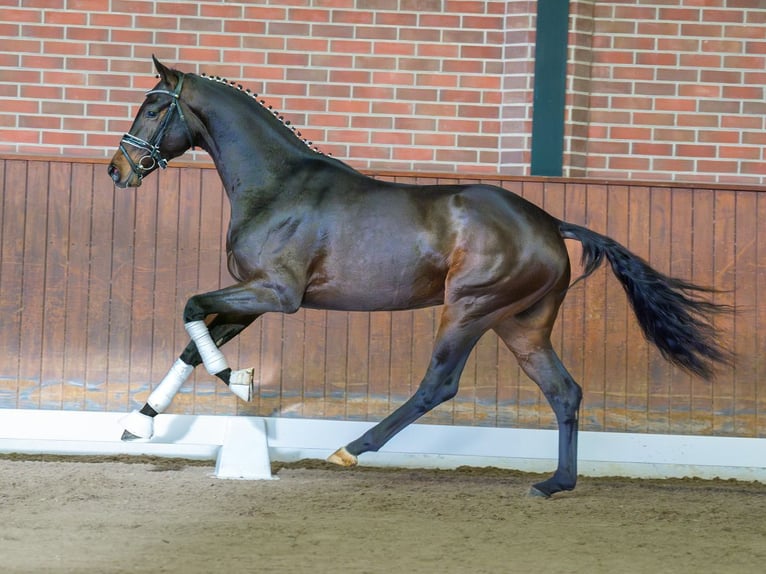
307, 230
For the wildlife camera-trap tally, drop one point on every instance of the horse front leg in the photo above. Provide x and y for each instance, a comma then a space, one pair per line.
140, 423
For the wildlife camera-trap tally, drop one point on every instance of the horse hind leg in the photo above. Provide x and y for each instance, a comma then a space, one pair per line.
140, 423
533, 351
451, 350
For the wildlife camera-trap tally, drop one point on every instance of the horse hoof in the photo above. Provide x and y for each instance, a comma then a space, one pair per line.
536, 493
342, 457
137, 425
128, 436
241, 384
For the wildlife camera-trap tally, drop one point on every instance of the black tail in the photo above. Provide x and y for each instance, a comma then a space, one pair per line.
670, 313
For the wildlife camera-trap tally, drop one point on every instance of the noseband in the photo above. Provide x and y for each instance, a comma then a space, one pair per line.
153, 157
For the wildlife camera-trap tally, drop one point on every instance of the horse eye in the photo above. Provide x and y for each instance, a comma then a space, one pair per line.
151, 114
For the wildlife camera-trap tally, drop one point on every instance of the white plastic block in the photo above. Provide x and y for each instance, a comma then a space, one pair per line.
245, 451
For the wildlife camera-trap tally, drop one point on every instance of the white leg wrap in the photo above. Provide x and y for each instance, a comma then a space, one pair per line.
241, 384
138, 424
213, 358
162, 396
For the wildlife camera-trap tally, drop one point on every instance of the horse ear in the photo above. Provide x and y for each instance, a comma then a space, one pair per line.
165, 73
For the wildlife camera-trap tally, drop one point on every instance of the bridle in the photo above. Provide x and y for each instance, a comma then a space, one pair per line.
153, 157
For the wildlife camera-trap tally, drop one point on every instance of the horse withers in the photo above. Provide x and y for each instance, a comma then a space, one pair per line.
307, 230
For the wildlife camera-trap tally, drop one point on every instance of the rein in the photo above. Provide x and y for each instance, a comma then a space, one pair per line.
154, 157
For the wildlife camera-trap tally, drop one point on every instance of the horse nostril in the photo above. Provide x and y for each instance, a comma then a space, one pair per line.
113, 172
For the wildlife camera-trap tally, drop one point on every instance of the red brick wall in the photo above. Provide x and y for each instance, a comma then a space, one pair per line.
677, 90
658, 89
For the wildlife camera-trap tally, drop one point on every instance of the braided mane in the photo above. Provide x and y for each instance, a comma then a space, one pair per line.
263, 104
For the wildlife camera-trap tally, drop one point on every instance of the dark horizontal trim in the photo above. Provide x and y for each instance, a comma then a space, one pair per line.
181, 164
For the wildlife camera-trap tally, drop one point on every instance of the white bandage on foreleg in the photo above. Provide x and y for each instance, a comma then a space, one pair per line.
213, 358
161, 397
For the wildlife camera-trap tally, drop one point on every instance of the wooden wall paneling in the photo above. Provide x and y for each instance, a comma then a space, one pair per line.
745, 322
168, 336
595, 318
143, 378
120, 292
91, 309
12, 219
681, 265
99, 280
660, 371
724, 399
617, 308
56, 266
703, 272
33, 285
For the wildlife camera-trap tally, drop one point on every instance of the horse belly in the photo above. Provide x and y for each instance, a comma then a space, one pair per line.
355, 286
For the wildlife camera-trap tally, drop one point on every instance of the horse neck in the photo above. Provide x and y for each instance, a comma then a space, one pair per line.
250, 147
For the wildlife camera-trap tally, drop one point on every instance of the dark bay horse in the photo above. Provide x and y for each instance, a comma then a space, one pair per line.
307, 230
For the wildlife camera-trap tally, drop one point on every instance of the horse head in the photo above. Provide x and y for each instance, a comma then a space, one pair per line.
158, 134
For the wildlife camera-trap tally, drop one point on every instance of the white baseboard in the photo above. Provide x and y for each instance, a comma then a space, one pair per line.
207, 437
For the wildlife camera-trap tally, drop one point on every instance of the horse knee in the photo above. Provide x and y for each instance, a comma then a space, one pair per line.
193, 310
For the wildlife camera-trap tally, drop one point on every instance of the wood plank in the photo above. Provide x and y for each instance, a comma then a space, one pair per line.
595, 319
13, 202
681, 265
56, 268
760, 312
659, 258
99, 279
293, 357
358, 370
379, 398
142, 377
724, 405
616, 327
33, 281
201, 385
572, 313
704, 274
746, 321
336, 364
314, 364
271, 396
120, 293
168, 334
637, 351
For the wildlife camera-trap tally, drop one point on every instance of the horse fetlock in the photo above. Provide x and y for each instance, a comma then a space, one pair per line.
241, 383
